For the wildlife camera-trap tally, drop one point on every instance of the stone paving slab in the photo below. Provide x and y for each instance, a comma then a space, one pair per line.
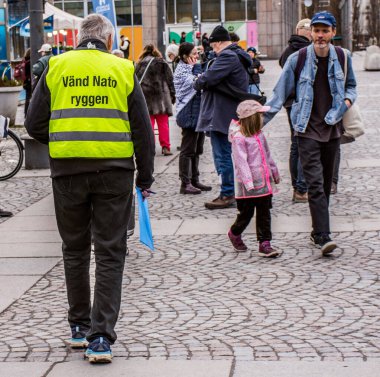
302, 369
36, 249
24, 173
49, 236
13, 287
144, 368
25, 223
26, 266
24, 369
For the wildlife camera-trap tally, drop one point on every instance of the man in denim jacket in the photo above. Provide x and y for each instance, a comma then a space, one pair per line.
322, 97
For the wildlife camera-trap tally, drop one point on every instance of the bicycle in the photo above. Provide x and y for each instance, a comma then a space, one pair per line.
11, 155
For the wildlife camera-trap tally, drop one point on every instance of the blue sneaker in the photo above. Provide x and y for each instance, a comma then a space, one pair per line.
78, 337
99, 351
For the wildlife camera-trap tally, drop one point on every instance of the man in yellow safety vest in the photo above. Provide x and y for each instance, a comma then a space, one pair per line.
89, 108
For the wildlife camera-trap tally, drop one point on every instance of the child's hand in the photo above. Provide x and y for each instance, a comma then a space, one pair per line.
277, 180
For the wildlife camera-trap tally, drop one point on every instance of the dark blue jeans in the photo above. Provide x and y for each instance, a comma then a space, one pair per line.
221, 151
295, 167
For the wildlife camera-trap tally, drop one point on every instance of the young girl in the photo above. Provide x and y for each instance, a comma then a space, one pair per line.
255, 177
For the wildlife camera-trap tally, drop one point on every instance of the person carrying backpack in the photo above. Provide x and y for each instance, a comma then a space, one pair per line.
42, 62
322, 96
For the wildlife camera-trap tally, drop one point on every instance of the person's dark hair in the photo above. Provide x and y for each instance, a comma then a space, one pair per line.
184, 51
149, 50
27, 54
234, 37
183, 33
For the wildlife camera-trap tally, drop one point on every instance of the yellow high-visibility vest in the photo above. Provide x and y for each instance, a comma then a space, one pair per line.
89, 109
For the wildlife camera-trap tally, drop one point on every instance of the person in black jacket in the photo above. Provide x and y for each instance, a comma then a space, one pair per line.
230, 67
254, 72
93, 189
301, 39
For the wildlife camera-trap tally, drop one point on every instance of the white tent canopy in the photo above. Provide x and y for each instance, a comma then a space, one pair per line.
62, 20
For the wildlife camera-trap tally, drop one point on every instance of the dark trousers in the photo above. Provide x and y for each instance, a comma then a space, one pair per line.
97, 205
191, 149
295, 167
246, 208
221, 151
317, 160
336, 167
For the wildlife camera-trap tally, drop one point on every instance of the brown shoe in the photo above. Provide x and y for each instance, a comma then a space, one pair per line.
334, 188
189, 189
221, 202
166, 151
299, 198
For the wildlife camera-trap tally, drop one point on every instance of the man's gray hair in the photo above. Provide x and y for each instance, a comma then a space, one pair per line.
96, 26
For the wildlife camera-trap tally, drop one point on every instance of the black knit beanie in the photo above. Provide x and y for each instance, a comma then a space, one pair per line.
219, 34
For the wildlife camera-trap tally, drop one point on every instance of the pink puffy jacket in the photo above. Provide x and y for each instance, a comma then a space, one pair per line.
254, 168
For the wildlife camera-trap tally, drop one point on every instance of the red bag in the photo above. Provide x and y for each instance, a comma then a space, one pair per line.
19, 72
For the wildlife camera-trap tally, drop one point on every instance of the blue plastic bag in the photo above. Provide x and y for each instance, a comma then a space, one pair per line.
146, 236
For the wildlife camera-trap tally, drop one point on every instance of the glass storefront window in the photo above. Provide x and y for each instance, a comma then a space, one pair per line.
210, 10
170, 11
184, 11
252, 11
75, 8
235, 10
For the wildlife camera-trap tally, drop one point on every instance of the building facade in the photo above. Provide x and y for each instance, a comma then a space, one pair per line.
265, 24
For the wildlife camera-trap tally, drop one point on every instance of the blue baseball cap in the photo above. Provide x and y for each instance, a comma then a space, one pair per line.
325, 18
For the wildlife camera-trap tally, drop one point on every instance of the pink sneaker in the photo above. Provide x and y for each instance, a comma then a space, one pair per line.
237, 242
266, 250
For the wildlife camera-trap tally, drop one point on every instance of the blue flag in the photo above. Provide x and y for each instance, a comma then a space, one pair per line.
107, 9
146, 236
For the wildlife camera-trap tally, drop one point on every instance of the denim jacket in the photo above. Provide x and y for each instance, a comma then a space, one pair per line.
301, 108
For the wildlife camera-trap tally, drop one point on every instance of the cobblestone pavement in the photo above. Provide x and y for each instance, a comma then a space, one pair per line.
193, 298
19, 193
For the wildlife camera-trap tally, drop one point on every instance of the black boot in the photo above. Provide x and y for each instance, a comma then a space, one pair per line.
188, 188
200, 186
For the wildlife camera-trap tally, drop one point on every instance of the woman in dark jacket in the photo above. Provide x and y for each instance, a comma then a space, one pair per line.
188, 102
156, 81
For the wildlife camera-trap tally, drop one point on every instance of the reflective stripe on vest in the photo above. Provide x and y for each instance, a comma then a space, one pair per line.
88, 113
90, 136
89, 108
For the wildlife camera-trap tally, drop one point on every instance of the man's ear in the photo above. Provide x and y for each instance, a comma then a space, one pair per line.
109, 43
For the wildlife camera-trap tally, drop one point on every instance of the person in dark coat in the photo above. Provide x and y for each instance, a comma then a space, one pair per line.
301, 39
156, 79
218, 108
183, 37
254, 72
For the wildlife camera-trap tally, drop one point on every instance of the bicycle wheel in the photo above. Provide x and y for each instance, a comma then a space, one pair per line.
11, 156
